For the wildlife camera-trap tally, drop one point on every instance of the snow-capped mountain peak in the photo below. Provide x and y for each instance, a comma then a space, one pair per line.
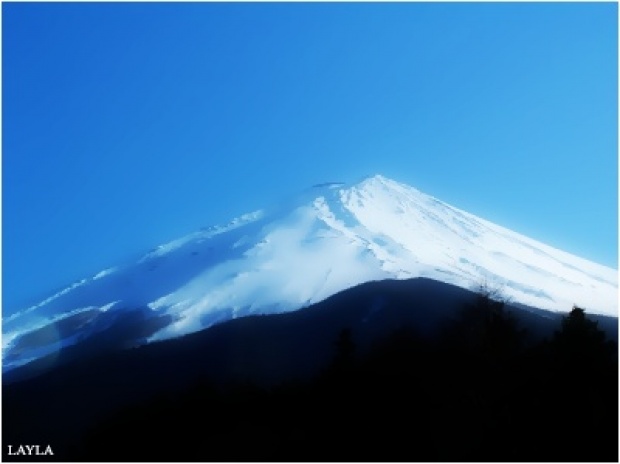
331, 237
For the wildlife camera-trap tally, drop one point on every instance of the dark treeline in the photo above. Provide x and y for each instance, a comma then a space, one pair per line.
480, 391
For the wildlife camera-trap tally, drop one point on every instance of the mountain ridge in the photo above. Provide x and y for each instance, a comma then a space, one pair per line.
299, 252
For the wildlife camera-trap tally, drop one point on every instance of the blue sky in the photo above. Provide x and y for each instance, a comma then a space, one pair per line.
126, 125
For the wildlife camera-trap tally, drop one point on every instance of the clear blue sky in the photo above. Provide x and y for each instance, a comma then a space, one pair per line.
127, 125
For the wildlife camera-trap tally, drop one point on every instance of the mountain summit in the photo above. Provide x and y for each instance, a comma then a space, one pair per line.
330, 238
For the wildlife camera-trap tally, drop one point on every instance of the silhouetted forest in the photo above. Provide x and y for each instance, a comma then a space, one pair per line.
481, 388
477, 393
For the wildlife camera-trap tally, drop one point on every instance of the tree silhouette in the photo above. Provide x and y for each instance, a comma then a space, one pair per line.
485, 327
580, 343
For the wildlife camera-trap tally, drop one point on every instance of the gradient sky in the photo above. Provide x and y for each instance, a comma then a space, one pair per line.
128, 125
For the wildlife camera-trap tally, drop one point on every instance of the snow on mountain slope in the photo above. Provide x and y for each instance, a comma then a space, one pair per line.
330, 238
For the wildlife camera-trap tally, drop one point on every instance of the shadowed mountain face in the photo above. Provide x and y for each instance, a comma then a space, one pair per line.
328, 239
65, 406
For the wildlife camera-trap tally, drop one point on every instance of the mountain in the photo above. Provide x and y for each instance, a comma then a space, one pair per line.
252, 380
331, 237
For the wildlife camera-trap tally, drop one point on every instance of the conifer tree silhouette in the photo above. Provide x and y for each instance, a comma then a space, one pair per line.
580, 345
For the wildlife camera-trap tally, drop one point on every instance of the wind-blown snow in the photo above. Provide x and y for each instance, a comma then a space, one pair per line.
104, 273
331, 238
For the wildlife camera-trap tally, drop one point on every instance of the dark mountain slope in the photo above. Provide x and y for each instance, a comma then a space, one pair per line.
57, 407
